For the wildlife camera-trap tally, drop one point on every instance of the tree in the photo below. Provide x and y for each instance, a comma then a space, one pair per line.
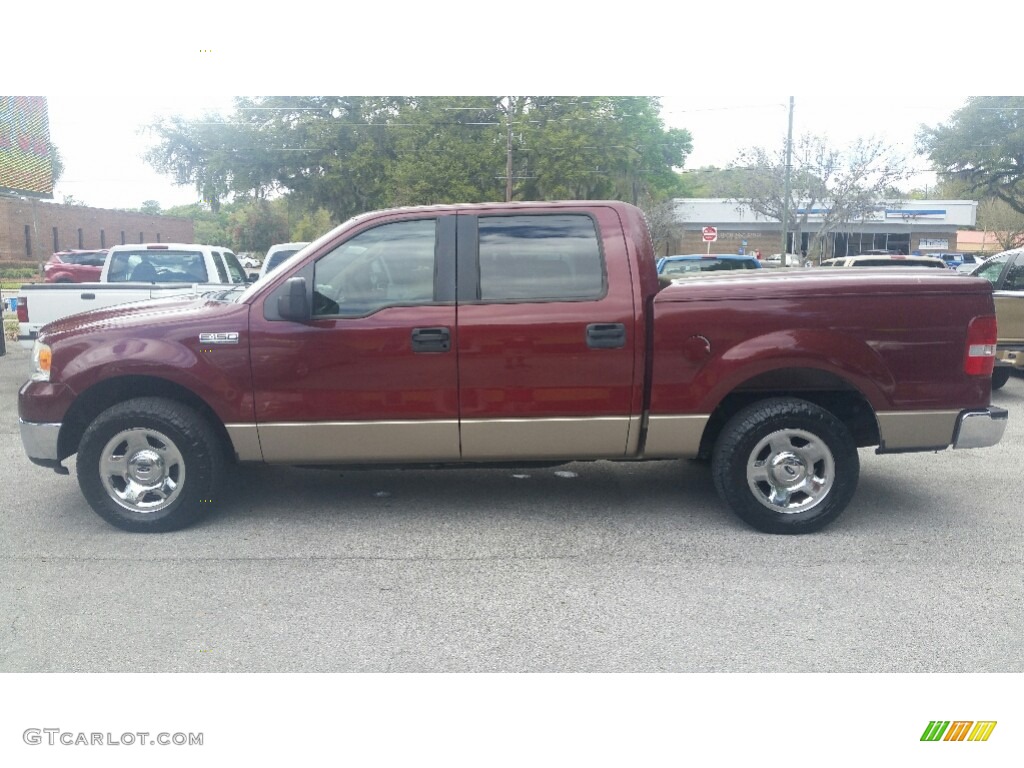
663, 223
350, 154
258, 224
151, 207
982, 146
209, 227
1006, 223
710, 181
56, 163
311, 225
836, 186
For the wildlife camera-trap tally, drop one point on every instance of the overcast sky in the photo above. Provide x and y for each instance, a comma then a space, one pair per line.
718, 73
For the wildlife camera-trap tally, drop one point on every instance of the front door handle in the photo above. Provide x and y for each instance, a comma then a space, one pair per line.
606, 335
431, 339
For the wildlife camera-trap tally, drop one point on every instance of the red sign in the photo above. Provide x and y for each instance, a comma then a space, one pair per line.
710, 234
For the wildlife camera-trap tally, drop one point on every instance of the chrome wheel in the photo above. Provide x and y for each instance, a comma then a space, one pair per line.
790, 471
142, 470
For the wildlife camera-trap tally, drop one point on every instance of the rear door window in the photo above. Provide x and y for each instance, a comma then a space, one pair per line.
236, 270
540, 258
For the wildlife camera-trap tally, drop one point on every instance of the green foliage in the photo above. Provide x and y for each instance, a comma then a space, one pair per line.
151, 207
351, 154
257, 225
981, 147
710, 181
21, 272
311, 225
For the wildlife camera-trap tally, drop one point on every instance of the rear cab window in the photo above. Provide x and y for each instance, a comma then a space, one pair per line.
157, 265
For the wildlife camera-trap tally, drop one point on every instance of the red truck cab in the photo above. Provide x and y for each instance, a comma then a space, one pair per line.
512, 333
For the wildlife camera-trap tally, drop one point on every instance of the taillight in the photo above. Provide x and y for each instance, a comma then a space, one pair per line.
23, 309
980, 352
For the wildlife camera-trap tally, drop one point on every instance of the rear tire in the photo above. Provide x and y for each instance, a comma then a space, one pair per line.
150, 465
785, 465
1000, 375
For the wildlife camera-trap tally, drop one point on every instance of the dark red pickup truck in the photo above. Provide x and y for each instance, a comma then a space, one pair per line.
514, 333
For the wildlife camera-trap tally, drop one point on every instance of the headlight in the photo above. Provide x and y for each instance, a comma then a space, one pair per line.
41, 359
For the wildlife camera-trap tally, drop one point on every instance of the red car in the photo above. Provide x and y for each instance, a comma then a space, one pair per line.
74, 266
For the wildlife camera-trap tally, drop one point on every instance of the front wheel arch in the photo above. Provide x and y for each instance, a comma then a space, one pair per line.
91, 402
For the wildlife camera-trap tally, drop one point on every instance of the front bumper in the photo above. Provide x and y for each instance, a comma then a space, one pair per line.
980, 429
40, 441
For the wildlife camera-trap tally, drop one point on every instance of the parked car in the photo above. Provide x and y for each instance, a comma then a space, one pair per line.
1006, 273
785, 259
278, 254
74, 266
885, 261
968, 263
248, 261
680, 266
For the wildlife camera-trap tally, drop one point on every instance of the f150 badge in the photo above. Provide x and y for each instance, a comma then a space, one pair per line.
230, 337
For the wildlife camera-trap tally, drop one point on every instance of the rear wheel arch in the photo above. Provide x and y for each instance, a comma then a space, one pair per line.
824, 389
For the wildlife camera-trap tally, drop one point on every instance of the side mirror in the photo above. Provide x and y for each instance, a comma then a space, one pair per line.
294, 303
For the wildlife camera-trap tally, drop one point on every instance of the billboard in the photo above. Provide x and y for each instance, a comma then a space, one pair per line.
26, 161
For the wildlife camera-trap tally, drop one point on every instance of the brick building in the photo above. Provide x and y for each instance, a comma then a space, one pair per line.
31, 230
903, 226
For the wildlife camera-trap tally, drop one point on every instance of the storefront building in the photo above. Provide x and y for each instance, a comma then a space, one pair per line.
903, 226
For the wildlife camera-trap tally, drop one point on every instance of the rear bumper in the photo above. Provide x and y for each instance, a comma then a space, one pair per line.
979, 429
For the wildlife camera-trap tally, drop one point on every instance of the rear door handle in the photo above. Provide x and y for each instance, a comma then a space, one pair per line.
431, 339
606, 335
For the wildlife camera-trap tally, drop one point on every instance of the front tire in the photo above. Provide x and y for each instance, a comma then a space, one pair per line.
785, 465
150, 465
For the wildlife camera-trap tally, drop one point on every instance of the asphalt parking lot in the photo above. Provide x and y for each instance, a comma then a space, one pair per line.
585, 568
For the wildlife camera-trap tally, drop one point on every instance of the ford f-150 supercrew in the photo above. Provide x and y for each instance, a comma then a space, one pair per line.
507, 334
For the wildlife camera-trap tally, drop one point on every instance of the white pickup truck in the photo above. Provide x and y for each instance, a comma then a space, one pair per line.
130, 273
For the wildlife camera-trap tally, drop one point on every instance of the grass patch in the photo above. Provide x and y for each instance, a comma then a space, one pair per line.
10, 328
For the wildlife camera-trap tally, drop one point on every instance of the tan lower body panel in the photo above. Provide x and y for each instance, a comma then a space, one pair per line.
245, 439
909, 430
543, 439
674, 436
429, 441
355, 442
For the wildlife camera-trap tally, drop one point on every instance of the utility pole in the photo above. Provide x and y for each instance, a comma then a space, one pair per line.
508, 150
785, 196
508, 161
